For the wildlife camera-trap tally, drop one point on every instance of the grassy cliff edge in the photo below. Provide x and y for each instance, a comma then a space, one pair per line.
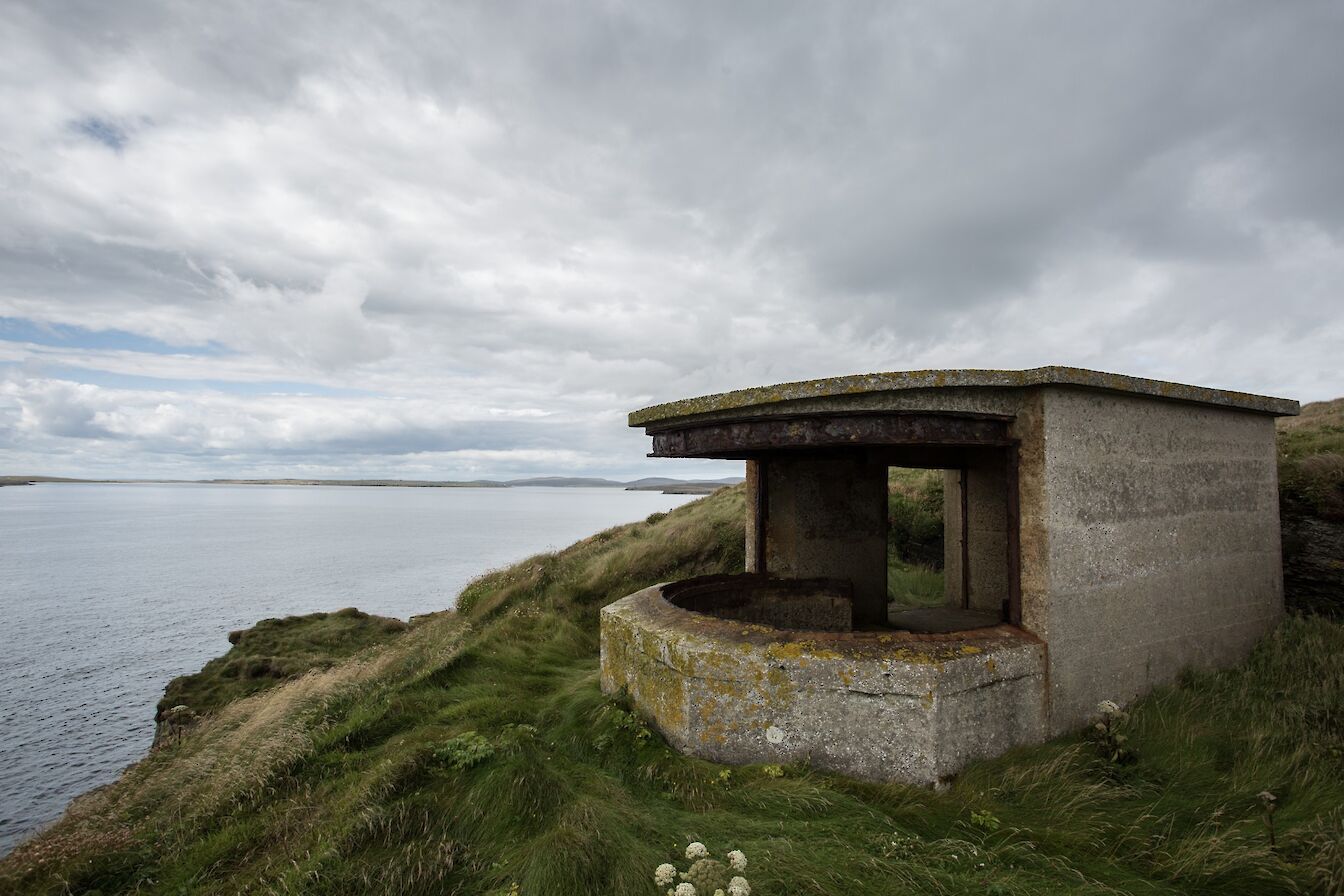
474, 753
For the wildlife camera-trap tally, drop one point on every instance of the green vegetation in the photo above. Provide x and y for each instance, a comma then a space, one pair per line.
915, 537
1311, 499
274, 650
475, 753
1311, 461
914, 585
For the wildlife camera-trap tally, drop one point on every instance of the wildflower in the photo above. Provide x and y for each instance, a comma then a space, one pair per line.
684, 890
737, 860
707, 875
695, 851
664, 874
1108, 708
738, 886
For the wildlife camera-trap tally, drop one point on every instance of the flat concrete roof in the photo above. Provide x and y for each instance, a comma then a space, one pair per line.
961, 379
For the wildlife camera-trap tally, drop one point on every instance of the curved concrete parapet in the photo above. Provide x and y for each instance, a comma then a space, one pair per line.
883, 706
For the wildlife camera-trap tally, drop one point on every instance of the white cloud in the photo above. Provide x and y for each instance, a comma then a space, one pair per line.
503, 231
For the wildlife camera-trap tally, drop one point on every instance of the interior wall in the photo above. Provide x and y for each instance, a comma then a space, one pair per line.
826, 517
986, 534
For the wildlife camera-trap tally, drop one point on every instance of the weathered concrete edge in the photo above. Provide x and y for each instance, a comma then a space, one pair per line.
933, 379
738, 693
692, 645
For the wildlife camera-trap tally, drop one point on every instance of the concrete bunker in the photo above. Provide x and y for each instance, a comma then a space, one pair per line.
1101, 534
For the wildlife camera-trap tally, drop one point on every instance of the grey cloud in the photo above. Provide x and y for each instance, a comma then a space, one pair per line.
583, 207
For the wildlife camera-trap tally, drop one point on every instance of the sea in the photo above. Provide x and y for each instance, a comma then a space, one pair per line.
108, 590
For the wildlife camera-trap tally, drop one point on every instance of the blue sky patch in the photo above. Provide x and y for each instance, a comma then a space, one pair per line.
112, 380
101, 130
18, 329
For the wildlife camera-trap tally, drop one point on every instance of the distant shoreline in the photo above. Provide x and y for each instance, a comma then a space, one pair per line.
652, 484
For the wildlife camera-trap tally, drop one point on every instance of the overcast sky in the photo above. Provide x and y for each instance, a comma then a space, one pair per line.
459, 240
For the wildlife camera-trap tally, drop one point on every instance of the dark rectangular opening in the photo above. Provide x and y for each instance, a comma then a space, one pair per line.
952, 541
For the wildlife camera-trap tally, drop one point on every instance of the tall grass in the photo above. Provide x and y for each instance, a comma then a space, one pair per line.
1311, 461
914, 585
339, 782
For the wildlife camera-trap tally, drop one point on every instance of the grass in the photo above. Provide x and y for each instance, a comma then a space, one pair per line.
913, 584
274, 650
915, 537
1311, 461
475, 752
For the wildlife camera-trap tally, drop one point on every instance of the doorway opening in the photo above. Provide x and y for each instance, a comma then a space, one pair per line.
952, 541
915, 538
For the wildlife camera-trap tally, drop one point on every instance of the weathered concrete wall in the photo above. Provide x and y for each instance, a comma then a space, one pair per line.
1163, 543
986, 534
826, 517
878, 706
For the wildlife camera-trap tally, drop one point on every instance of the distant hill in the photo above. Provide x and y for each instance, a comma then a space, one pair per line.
373, 483
660, 481
30, 480
565, 482
648, 484
653, 483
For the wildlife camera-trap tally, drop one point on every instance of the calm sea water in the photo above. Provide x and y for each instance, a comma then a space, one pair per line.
109, 591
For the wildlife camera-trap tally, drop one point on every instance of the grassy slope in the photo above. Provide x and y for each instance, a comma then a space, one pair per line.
1311, 460
343, 781
1311, 491
277, 649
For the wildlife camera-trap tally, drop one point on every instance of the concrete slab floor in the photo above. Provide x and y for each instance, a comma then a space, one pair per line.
939, 620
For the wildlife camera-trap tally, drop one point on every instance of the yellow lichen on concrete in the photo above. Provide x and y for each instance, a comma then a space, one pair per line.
787, 698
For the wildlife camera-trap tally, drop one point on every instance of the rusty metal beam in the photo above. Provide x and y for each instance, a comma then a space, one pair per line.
751, 438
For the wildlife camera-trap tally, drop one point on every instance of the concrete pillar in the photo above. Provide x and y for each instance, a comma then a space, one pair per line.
826, 516
755, 516
983, 583
954, 593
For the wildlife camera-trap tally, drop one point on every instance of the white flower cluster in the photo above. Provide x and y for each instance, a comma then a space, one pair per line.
1107, 708
706, 876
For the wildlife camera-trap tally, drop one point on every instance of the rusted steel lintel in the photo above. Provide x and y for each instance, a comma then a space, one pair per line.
720, 439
